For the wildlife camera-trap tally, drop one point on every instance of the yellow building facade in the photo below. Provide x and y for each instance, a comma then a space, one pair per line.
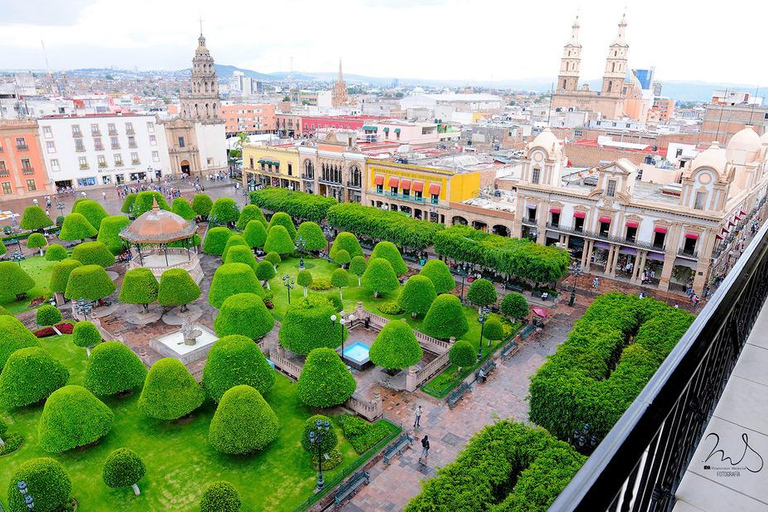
271, 166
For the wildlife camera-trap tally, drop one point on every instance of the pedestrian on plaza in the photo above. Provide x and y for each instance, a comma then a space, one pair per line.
35, 201
641, 295
417, 421
104, 196
424, 449
595, 283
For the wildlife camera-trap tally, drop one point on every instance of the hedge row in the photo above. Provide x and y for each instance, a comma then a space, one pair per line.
612, 352
296, 204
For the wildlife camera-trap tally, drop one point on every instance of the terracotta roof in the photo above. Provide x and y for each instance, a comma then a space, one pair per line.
158, 226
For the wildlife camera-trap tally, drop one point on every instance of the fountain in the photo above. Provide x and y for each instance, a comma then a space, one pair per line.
189, 344
357, 355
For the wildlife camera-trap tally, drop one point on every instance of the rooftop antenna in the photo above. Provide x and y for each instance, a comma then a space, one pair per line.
717, 133
47, 67
201, 24
757, 89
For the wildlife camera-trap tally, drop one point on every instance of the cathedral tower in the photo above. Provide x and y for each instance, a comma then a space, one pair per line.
339, 95
203, 103
568, 79
616, 63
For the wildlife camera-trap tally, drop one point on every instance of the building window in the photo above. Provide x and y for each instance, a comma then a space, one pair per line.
150, 127
290, 169
605, 228
689, 246
31, 185
97, 145
152, 140
50, 146
102, 160
155, 156
131, 142
7, 188
21, 144
83, 162
47, 132
95, 129
658, 240
114, 142
379, 189
181, 142
631, 234
55, 164
26, 166
106, 180
79, 147
536, 176
111, 128
3, 169
135, 159
129, 128
556, 219
118, 159
700, 201
76, 130
611, 188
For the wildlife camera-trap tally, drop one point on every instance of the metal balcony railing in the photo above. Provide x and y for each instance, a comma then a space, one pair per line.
401, 197
601, 236
690, 253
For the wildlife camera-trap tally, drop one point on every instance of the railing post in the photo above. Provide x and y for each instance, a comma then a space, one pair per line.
411, 379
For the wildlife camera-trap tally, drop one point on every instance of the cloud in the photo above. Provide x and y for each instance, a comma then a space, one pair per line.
42, 12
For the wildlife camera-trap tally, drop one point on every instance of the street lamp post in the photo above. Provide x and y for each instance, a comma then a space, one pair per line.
316, 438
300, 244
328, 233
482, 316
576, 274
60, 207
83, 307
584, 439
288, 282
23, 489
17, 256
462, 271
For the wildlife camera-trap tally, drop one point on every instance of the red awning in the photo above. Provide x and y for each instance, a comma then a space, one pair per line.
554, 210
405, 184
660, 229
379, 180
719, 237
539, 311
394, 182
726, 231
737, 217
605, 219
742, 212
418, 186
579, 215
632, 224
692, 236
434, 189
731, 223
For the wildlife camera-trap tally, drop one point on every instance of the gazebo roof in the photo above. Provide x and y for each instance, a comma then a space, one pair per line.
158, 226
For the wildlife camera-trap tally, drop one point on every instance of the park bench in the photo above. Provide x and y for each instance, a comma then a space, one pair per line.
513, 288
401, 443
351, 486
508, 349
456, 395
482, 374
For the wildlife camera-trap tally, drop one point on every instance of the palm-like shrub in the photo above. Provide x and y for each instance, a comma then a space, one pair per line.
86, 335
330, 438
243, 422
93, 253
224, 211
128, 203
357, 267
235, 360
92, 211
56, 252
325, 380
48, 315
36, 241
34, 219
145, 201
391, 253
230, 279
445, 318
89, 282
109, 232
29, 376
47, 483
139, 287
514, 306
462, 354
283, 219
251, 212
304, 279
379, 277
312, 234
60, 274
183, 209
417, 295
170, 392
13, 336
122, 468
215, 240
73, 417
307, 325
279, 240
220, 497
177, 288
244, 314
255, 234
396, 347
15, 280
76, 227
113, 368
348, 242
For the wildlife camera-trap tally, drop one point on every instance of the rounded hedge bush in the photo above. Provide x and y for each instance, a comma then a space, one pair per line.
283, 219
230, 279
3, 248
244, 314
13, 336
417, 295
36, 241
15, 280
304, 279
224, 211
202, 204
255, 234
391, 253
48, 315
113, 368
89, 282
215, 240
29, 376
341, 257
396, 347
76, 227
235, 360
72, 417
330, 438
279, 240
462, 354
348, 242
123, 468
145, 202
340, 279
265, 271
128, 203
93, 253
514, 306
139, 287
60, 274
34, 219
251, 212
445, 318
241, 254
92, 211
220, 497
109, 232
86, 334
177, 288
379, 277
357, 267
493, 330
243, 422
183, 209
170, 391
56, 252
312, 234
46, 481
232, 241
273, 258
482, 293
307, 325
325, 380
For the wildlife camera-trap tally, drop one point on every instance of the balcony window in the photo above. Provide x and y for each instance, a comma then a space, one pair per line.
605, 225
135, 159
611, 191
118, 160
129, 128
131, 142
76, 130
102, 161
181, 142
435, 198
152, 140
111, 128
555, 219
50, 146
530, 213
379, 189
631, 234
151, 127
114, 142
658, 239
95, 130
83, 162
7, 188
290, 169
31, 185
689, 246
21, 144
536, 176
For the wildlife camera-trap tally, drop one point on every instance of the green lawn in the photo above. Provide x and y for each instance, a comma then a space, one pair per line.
179, 460
39, 270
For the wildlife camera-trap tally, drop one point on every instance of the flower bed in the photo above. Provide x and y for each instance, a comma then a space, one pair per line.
64, 328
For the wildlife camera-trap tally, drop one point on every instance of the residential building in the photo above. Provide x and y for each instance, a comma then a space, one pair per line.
250, 118
727, 114
333, 167
288, 125
271, 166
22, 168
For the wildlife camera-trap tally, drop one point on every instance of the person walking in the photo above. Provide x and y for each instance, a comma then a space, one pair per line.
417, 421
595, 283
424, 450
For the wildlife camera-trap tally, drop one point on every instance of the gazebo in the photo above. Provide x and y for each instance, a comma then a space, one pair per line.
149, 236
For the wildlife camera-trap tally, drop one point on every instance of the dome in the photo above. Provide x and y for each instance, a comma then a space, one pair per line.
158, 226
713, 157
744, 147
547, 140
764, 138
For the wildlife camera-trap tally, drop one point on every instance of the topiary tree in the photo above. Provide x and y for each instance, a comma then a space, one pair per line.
122, 468
312, 234
462, 354
170, 391
348, 242
215, 240
3, 248
279, 240
235, 360
243, 422
29, 376
417, 295
283, 219
139, 287
145, 201
36, 241
307, 325
89, 282
86, 335
224, 211
251, 212
273, 258
202, 205
76, 227
113, 368
3, 430
233, 241
47, 483
357, 267
445, 318
4, 312
330, 438
35, 219
379, 277
92, 211
341, 258
183, 209
230, 279
72, 417
15, 280
177, 288
325, 380
264, 272
244, 314
255, 234
304, 279
340, 279
93, 253
128, 202
493, 330
48, 315
396, 347
391, 253
220, 497
60, 274
56, 252
514, 306
482, 293
109, 232
13, 336
241, 254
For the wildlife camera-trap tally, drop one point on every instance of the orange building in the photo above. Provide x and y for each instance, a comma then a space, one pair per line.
248, 118
22, 168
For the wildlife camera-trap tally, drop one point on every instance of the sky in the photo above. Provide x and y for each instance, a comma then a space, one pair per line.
430, 39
